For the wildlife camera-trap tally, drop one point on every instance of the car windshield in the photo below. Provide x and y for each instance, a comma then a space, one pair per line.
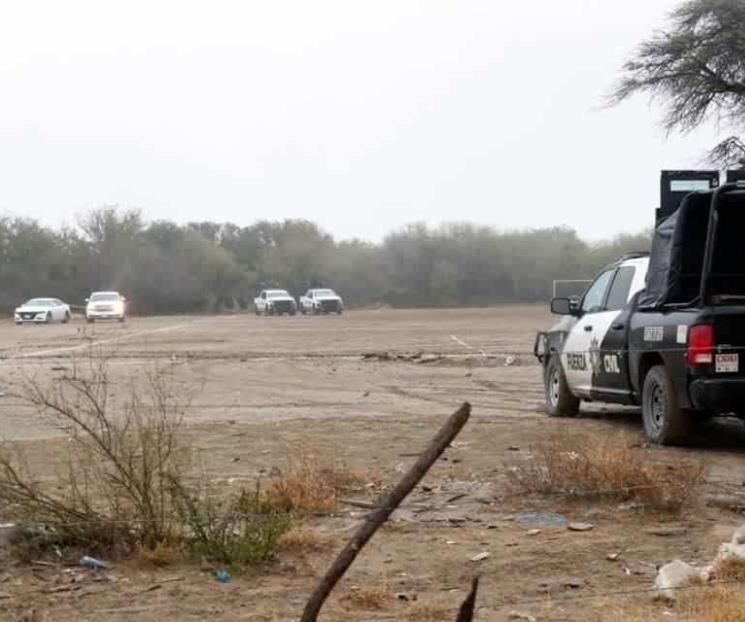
104, 297
277, 293
40, 302
324, 292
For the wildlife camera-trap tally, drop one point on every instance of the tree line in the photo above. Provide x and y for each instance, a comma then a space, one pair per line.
164, 267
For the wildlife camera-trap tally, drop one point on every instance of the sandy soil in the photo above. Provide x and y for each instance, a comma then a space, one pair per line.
261, 385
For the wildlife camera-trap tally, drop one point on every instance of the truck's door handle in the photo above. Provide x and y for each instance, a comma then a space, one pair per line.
618, 326
588, 328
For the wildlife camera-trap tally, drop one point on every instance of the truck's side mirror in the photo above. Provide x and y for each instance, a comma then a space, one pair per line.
563, 306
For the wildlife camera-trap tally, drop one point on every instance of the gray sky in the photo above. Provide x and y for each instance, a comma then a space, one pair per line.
361, 116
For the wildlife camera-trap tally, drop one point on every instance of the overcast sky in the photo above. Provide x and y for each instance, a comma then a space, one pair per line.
361, 116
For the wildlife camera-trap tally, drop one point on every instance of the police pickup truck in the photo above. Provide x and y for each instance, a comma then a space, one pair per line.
663, 330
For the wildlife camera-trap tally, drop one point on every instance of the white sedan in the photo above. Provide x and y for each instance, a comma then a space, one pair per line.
42, 311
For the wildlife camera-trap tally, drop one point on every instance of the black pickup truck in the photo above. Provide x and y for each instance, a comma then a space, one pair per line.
664, 330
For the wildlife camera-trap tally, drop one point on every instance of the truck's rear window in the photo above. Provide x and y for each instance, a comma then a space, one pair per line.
726, 281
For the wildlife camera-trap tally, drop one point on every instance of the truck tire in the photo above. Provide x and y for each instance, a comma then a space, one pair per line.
664, 421
559, 400
66, 319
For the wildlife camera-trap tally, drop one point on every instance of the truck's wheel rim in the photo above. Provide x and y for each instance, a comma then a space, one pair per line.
657, 405
553, 387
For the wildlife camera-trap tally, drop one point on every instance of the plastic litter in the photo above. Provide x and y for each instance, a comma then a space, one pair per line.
541, 518
222, 575
92, 562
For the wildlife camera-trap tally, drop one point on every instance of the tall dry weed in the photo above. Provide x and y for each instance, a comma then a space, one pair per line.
309, 484
604, 467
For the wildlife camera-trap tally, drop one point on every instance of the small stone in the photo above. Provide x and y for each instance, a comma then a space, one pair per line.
533, 532
480, 557
404, 597
580, 526
667, 532
4, 595
519, 615
612, 557
574, 584
513, 448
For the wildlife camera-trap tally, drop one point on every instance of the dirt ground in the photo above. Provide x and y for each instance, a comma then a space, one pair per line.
344, 387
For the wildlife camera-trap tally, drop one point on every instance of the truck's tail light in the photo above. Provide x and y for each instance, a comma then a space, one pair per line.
700, 345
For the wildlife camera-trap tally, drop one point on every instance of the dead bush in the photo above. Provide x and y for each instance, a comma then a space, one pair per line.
603, 467
125, 453
376, 596
730, 569
428, 611
719, 603
308, 484
303, 540
161, 555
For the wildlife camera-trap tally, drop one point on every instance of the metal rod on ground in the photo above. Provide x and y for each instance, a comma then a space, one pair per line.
393, 499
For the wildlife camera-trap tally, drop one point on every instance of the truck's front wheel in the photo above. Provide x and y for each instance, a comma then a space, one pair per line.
559, 400
664, 421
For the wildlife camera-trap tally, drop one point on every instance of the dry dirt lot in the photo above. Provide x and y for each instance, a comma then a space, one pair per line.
335, 386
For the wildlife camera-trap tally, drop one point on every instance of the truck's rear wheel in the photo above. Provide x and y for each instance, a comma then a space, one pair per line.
664, 421
559, 400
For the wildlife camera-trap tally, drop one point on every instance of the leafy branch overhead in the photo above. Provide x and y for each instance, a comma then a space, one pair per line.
696, 67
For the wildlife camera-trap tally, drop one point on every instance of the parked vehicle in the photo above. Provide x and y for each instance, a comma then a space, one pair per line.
42, 311
664, 331
106, 306
321, 301
275, 302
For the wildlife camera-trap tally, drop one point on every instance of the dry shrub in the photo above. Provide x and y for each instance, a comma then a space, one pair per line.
428, 611
308, 485
161, 555
730, 569
376, 596
604, 467
304, 540
718, 603
123, 456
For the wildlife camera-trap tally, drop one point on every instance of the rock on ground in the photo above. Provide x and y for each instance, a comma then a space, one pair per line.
675, 575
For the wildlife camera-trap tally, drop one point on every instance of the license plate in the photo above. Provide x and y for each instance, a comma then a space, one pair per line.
727, 363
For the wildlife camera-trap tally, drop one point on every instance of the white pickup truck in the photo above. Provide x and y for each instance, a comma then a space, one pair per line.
105, 306
274, 302
321, 301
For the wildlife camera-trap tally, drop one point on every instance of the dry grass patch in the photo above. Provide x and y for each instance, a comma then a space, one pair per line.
304, 540
309, 484
161, 555
730, 569
376, 596
604, 467
720, 603
423, 611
